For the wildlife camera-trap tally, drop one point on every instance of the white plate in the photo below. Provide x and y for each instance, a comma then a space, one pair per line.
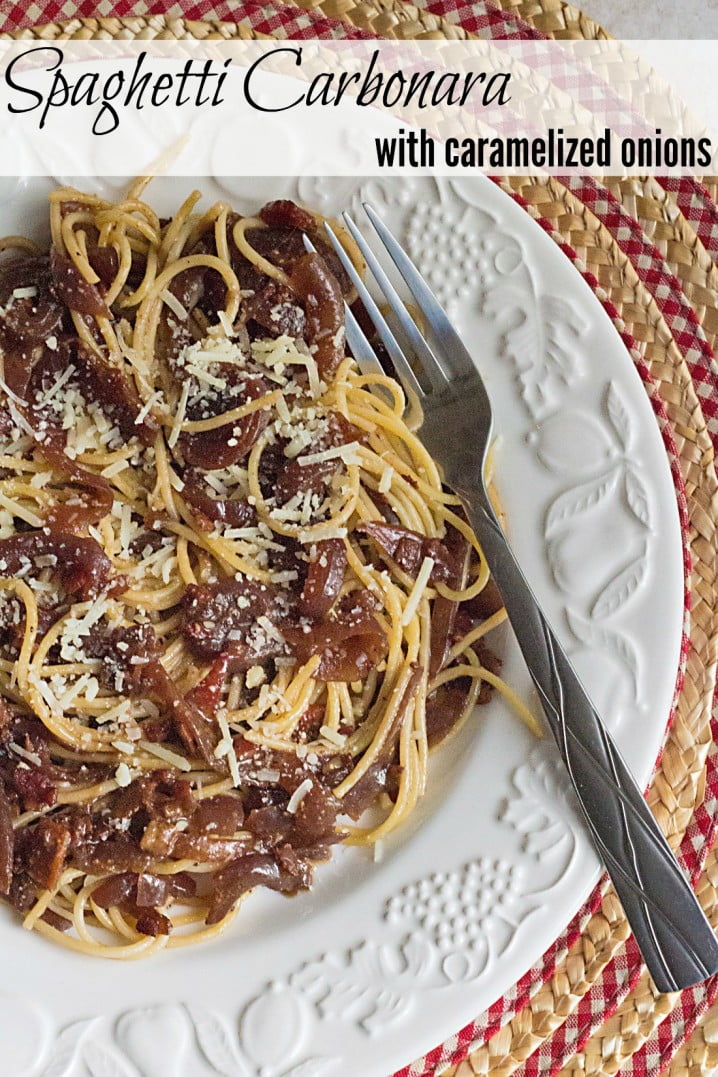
383, 961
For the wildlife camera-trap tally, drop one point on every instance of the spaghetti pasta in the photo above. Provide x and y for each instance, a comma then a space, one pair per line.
238, 606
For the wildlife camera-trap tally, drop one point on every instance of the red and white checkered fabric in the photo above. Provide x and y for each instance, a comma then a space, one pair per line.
484, 19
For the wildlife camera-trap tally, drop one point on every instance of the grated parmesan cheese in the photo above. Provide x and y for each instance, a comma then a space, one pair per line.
298, 795
420, 585
165, 754
255, 677
230, 752
174, 304
115, 468
337, 452
123, 775
179, 417
31, 757
332, 735
154, 401
386, 480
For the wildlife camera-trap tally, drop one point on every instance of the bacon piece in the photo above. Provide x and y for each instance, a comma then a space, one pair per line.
283, 213
153, 922
70, 286
213, 613
275, 309
325, 576
163, 839
207, 695
7, 843
324, 307
83, 568
47, 845
228, 444
34, 788
109, 857
144, 890
115, 890
351, 644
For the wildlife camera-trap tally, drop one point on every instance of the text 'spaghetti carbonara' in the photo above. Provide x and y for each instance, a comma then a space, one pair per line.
237, 606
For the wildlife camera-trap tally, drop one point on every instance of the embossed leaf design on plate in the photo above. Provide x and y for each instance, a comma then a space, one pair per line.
103, 1061
65, 1048
579, 500
215, 1042
609, 640
623, 585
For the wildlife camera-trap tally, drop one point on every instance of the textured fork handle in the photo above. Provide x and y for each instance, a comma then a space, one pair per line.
674, 936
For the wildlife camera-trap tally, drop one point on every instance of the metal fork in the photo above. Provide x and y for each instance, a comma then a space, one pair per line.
675, 938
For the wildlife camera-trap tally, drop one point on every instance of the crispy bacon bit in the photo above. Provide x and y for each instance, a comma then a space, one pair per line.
325, 576
47, 845
274, 308
283, 213
218, 618
34, 787
152, 922
409, 548
207, 695
324, 306
83, 568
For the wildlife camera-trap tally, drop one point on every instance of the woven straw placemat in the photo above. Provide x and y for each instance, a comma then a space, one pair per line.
650, 250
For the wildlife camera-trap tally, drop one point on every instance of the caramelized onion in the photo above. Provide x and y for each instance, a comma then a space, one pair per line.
83, 568
325, 576
71, 287
324, 307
